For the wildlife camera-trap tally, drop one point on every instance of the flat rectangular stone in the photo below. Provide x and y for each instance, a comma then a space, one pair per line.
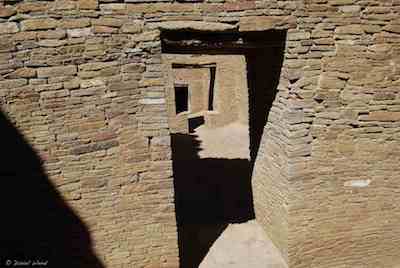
263, 23
152, 101
80, 32
12, 83
111, 22
45, 72
88, 4
381, 116
75, 23
8, 28
38, 24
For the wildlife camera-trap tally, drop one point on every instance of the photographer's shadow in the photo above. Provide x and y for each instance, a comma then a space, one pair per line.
36, 224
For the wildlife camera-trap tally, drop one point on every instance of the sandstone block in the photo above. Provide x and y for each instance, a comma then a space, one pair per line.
262, 23
341, 2
104, 29
132, 27
56, 34
88, 4
381, 116
75, 23
6, 12
133, 68
382, 96
94, 147
12, 83
392, 28
26, 7
94, 66
370, 28
81, 32
54, 94
295, 36
45, 72
349, 9
194, 25
350, 29
8, 28
22, 73
51, 43
331, 82
38, 24
111, 22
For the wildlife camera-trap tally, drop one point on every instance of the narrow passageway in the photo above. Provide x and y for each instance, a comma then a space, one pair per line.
214, 204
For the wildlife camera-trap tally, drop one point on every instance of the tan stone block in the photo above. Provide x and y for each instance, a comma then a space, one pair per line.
371, 28
340, 2
56, 71
63, 5
23, 73
25, 7
88, 4
296, 36
111, 22
381, 116
94, 66
20, 36
6, 12
133, 68
331, 82
350, 29
8, 28
194, 25
392, 28
75, 23
12, 83
51, 43
56, 34
262, 23
132, 27
79, 32
38, 24
104, 29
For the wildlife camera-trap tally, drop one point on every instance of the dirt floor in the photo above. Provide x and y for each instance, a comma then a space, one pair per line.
243, 245
214, 203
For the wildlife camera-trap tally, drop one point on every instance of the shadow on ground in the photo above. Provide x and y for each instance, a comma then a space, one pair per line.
37, 224
210, 193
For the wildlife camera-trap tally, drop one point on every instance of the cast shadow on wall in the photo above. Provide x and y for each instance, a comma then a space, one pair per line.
37, 224
210, 193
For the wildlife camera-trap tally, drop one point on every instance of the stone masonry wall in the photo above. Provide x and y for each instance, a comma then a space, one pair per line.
82, 80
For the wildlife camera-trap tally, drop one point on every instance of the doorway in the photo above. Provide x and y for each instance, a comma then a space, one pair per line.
213, 160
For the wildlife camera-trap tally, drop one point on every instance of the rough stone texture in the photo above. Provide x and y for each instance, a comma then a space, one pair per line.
326, 178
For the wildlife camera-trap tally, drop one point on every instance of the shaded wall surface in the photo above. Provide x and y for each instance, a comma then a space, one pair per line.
82, 82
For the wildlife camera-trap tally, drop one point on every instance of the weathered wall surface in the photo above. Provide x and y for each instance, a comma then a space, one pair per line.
82, 81
344, 186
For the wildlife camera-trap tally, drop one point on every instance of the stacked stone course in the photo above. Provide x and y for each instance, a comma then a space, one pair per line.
82, 80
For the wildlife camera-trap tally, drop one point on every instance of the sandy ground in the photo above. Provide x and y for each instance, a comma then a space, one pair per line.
229, 142
241, 246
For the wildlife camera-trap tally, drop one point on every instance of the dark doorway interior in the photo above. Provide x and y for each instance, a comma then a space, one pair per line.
211, 89
211, 193
181, 99
195, 122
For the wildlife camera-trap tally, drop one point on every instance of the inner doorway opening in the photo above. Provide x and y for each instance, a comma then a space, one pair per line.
232, 80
